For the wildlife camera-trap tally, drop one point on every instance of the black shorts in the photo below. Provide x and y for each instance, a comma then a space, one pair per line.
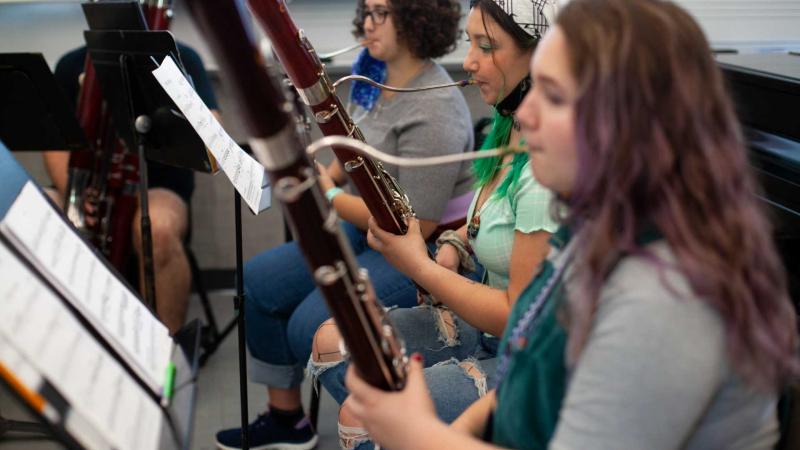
179, 181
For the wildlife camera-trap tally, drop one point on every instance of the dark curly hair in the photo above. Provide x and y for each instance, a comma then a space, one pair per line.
428, 27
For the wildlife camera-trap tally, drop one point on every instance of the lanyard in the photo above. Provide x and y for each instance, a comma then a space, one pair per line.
522, 329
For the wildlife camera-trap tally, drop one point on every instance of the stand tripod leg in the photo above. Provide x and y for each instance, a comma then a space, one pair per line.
209, 334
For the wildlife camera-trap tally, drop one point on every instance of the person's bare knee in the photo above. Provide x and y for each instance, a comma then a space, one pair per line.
168, 224
473, 370
351, 431
346, 416
446, 324
167, 244
325, 347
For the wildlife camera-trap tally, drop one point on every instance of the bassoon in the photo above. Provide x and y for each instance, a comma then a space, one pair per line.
372, 344
385, 199
102, 182
94, 120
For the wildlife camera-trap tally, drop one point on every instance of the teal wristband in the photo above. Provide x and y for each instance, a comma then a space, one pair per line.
333, 192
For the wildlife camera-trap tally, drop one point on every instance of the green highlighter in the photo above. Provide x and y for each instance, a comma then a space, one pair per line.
169, 383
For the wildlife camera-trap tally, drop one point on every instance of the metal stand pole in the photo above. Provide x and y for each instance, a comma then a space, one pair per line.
238, 305
142, 126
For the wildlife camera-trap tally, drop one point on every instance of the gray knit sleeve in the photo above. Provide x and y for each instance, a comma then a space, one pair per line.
652, 363
437, 125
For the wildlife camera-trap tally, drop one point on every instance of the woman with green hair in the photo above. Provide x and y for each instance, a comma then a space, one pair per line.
508, 228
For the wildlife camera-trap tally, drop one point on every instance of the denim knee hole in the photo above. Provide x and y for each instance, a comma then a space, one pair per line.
446, 325
322, 359
473, 370
315, 369
351, 437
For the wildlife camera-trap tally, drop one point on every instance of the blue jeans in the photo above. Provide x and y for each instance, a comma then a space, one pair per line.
445, 355
283, 307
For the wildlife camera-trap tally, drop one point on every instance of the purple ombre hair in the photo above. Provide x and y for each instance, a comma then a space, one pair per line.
659, 146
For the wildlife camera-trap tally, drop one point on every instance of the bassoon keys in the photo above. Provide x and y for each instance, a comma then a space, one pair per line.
385, 199
373, 346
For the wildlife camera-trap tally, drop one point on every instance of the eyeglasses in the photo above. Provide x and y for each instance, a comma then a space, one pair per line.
378, 16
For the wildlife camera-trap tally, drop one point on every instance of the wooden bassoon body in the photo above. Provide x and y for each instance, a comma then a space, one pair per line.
372, 344
383, 196
101, 198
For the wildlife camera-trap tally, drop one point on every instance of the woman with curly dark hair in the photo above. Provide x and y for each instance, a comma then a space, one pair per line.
428, 29
508, 232
283, 306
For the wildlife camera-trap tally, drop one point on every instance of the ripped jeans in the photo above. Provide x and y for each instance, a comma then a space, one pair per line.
283, 307
448, 353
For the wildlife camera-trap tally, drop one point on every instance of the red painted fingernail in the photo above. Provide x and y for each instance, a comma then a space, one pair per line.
417, 356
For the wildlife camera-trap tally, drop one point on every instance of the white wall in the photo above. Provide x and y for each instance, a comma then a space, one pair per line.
55, 27
748, 24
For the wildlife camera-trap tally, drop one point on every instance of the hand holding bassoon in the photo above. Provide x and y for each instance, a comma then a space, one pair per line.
384, 198
407, 253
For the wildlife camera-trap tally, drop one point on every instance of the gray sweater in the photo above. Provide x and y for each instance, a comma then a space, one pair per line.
420, 124
655, 373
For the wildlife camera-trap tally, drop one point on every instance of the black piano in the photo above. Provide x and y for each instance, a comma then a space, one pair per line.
766, 90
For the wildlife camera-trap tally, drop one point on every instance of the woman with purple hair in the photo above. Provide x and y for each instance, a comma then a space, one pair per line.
661, 318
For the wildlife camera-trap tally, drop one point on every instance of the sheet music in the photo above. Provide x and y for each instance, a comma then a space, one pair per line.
99, 391
13, 361
30, 377
40, 233
246, 174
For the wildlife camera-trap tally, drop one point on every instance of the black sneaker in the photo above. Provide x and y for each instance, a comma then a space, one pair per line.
266, 434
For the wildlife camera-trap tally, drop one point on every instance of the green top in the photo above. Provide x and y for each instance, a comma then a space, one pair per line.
529, 397
526, 208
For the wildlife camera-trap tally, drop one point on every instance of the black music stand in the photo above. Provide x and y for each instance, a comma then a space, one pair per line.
34, 116
34, 112
115, 15
179, 412
145, 118
128, 16
33, 430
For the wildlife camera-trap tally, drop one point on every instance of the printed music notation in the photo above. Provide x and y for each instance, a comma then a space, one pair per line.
43, 236
41, 340
246, 174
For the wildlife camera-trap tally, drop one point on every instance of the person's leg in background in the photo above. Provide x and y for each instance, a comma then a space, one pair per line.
281, 305
276, 282
169, 219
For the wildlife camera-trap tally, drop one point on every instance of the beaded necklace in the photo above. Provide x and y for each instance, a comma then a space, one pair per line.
474, 225
518, 339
